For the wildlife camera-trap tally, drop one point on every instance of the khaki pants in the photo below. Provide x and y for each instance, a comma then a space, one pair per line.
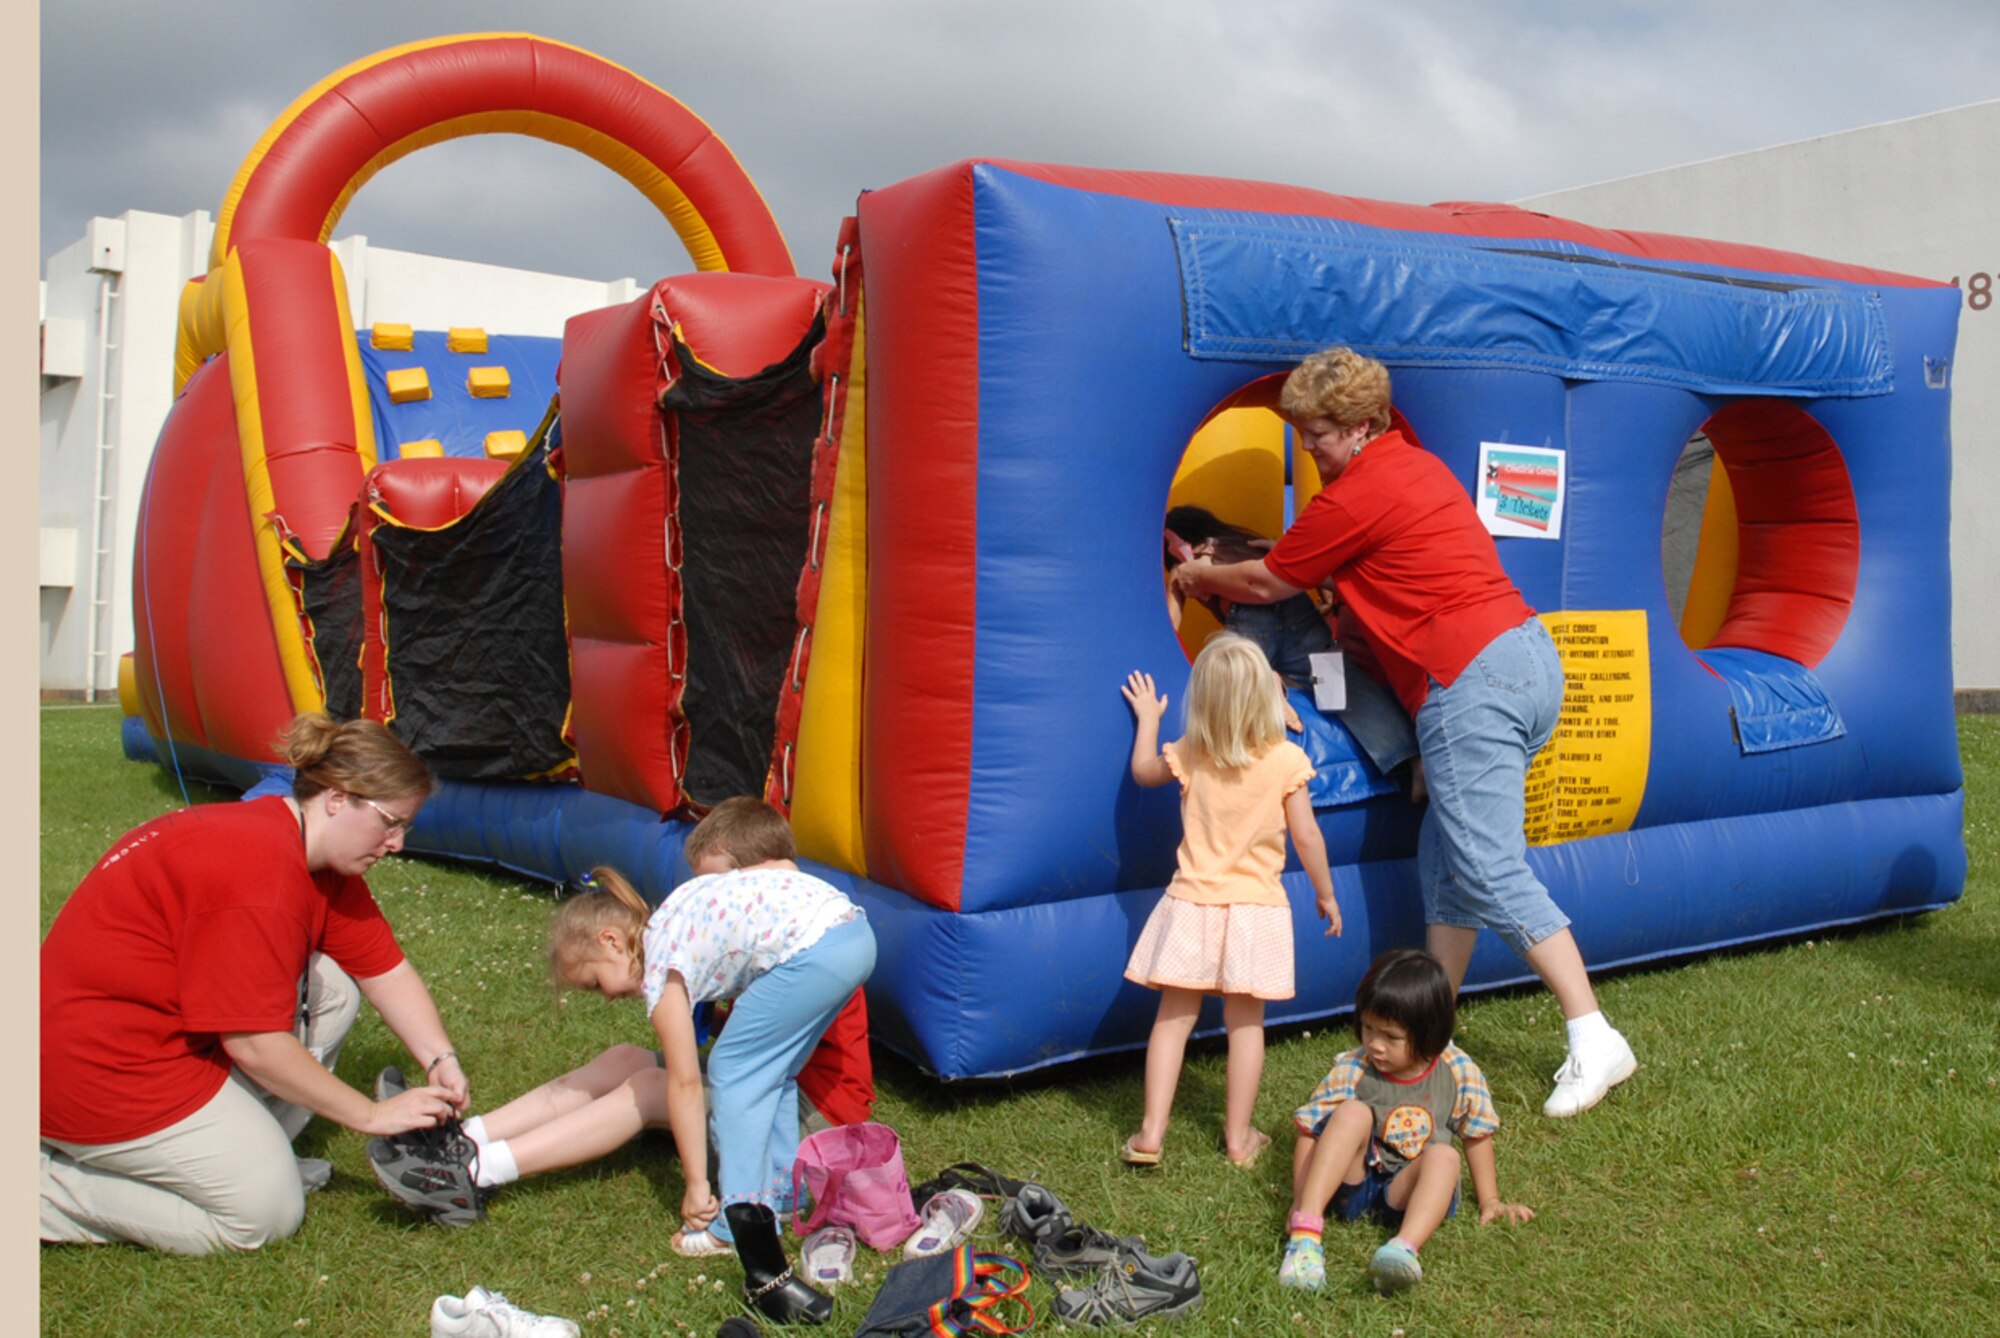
223, 1178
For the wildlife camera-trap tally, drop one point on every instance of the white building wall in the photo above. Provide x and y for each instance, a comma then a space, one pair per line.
110, 308
1917, 196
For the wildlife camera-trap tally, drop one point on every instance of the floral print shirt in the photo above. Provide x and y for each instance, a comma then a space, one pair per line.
723, 930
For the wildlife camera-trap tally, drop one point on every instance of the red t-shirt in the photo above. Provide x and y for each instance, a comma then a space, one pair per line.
1410, 558
197, 923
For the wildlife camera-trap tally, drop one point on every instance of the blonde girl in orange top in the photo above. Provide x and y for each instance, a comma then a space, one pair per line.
1224, 926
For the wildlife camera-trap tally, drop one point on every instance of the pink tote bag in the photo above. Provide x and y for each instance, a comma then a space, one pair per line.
854, 1175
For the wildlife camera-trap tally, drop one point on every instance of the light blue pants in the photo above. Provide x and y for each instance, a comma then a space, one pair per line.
1478, 737
753, 1066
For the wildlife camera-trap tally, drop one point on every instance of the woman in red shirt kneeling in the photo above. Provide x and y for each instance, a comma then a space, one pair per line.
196, 988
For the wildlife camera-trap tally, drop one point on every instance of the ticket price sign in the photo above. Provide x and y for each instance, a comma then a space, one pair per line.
1590, 778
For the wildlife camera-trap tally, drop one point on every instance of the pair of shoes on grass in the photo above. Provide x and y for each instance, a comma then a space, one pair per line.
1060, 1245
1393, 1268
1126, 1285
484, 1314
430, 1170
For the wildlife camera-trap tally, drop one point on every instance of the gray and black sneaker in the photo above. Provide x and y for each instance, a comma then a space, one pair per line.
1033, 1211
431, 1170
1063, 1246
1140, 1287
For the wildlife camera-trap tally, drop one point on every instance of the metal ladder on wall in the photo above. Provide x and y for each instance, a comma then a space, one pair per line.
104, 515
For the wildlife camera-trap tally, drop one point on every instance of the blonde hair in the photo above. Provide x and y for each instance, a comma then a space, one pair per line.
1341, 385
1234, 712
746, 830
610, 902
359, 757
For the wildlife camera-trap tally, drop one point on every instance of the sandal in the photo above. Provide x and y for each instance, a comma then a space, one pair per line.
1259, 1140
827, 1256
700, 1243
1132, 1156
984, 1181
948, 1219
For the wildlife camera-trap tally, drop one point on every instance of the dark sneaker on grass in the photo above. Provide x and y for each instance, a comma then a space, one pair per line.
1063, 1246
1032, 1212
431, 1170
1139, 1287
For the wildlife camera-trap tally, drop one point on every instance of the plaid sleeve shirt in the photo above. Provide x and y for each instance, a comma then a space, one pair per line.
1472, 1112
1337, 1086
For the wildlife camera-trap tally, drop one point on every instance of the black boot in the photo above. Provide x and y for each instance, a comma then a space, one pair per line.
768, 1281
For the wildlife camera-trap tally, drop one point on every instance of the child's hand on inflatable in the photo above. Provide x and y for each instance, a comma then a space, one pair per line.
1329, 911
1146, 703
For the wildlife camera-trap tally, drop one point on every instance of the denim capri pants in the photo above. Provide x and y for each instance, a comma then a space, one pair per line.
1478, 737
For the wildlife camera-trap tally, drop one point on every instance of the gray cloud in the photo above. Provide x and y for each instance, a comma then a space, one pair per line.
155, 108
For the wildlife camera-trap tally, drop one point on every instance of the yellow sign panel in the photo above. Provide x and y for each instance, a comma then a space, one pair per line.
1590, 778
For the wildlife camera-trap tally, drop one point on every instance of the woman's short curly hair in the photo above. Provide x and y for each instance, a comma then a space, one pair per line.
1338, 384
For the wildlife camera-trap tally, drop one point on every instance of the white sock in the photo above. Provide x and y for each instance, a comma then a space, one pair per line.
475, 1129
1587, 1030
496, 1165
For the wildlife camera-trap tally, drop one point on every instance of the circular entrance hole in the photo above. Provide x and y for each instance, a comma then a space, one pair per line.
1778, 543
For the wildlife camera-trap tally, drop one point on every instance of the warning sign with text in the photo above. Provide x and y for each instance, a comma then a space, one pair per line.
1590, 778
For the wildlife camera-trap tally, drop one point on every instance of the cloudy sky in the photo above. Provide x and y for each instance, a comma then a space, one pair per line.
153, 107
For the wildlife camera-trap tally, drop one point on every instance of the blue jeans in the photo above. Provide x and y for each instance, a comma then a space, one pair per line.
753, 1066
1478, 737
1290, 633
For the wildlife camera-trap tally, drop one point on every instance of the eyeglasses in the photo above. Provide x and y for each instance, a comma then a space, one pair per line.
395, 826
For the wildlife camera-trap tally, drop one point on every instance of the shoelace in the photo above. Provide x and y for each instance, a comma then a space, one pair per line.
447, 1145
1571, 1070
498, 1305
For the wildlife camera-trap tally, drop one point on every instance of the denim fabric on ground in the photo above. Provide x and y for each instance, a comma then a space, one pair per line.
1369, 1201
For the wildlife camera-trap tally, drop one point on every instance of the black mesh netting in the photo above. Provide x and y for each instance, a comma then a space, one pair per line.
476, 652
745, 489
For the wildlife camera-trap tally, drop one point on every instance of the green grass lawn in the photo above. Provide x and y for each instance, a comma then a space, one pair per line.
1811, 1144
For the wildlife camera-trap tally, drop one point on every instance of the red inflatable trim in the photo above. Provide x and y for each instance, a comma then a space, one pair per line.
206, 673
923, 321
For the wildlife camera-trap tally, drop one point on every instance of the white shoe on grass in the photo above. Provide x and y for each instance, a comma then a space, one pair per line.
483, 1314
1587, 1074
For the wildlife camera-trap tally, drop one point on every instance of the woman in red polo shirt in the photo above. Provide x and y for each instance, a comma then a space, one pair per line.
1410, 558
196, 988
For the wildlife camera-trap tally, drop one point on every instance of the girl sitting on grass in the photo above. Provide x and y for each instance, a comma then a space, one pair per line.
1224, 926
1376, 1137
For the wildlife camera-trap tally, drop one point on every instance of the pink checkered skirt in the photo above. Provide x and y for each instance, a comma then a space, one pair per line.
1240, 949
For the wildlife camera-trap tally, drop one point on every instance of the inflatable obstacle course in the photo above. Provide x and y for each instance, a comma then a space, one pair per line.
884, 545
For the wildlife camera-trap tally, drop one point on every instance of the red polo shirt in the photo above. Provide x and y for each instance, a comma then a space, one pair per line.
1410, 559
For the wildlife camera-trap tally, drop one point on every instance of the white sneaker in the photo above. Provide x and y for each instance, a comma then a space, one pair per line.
484, 1314
1588, 1074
